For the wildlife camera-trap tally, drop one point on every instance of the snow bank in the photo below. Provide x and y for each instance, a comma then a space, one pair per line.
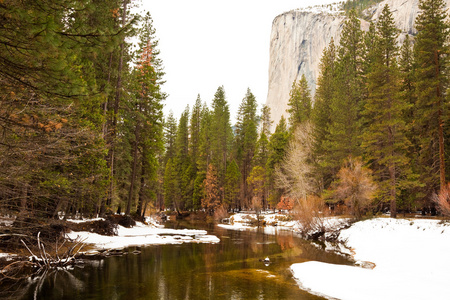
275, 221
141, 235
411, 257
271, 219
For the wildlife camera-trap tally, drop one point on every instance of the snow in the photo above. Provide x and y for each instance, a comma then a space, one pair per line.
6, 255
411, 259
85, 220
334, 8
278, 221
141, 235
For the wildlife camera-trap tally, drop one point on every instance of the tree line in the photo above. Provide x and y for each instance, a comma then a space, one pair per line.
380, 117
81, 121
82, 128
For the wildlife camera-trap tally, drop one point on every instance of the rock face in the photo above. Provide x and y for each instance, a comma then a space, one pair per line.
296, 45
298, 39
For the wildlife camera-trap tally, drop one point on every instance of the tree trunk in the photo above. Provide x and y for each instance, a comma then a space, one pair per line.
140, 207
393, 197
133, 169
116, 108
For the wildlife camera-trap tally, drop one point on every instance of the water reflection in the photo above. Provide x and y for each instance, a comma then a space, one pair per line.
231, 269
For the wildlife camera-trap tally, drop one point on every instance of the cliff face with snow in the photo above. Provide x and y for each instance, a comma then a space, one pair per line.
298, 39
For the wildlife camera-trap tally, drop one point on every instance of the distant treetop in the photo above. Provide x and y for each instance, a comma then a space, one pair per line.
359, 6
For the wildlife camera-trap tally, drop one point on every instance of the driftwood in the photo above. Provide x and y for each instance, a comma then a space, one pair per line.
46, 261
41, 261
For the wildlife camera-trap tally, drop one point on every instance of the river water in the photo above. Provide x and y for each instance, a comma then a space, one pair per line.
231, 269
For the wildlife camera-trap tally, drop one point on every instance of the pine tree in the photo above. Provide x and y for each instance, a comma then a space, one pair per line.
384, 141
182, 161
431, 58
231, 188
171, 187
194, 131
299, 103
51, 149
204, 157
256, 181
321, 113
277, 148
142, 118
262, 149
348, 97
221, 134
246, 136
266, 123
170, 126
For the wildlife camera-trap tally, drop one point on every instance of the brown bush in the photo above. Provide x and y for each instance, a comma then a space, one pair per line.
355, 187
311, 213
221, 213
442, 201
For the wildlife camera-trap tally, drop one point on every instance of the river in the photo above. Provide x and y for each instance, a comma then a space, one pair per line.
231, 269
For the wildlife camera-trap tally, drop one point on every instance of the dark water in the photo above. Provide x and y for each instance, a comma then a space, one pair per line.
229, 270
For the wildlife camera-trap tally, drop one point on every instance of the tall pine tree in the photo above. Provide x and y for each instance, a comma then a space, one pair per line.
384, 140
431, 58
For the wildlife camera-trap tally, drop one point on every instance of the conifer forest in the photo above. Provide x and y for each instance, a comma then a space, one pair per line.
82, 129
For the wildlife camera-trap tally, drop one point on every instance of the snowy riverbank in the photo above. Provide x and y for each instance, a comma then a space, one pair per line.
278, 221
403, 258
411, 260
143, 235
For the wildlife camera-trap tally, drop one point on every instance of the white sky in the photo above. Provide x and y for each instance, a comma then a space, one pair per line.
208, 43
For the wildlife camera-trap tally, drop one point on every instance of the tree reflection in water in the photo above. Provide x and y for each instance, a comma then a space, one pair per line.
231, 269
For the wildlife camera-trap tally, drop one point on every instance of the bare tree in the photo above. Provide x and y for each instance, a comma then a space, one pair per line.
294, 175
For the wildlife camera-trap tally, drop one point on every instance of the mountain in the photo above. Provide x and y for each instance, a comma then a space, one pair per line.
298, 38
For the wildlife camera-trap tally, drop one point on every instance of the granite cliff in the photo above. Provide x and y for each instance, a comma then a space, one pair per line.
298, 38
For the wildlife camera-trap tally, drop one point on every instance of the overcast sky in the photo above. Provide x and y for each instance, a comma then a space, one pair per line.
208, 43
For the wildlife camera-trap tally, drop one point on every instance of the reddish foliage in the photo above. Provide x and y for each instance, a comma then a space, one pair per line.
285, 203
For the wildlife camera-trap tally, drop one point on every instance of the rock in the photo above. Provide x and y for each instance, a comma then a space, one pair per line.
298, 38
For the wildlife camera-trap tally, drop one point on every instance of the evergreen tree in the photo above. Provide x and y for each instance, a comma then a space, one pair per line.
407, 88
262, 149
204, 157
51, 149
266, 123
221, 134
299, 103
384, 141
431, 58
277, 148
246, 136
182, 161
321, 113
141, 129
347, 100
171, 187
231, 188
170, 128
194, 131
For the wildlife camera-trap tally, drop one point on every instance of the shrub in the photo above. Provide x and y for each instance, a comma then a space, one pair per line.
310, 213
442, 201
354, 187
221, 213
